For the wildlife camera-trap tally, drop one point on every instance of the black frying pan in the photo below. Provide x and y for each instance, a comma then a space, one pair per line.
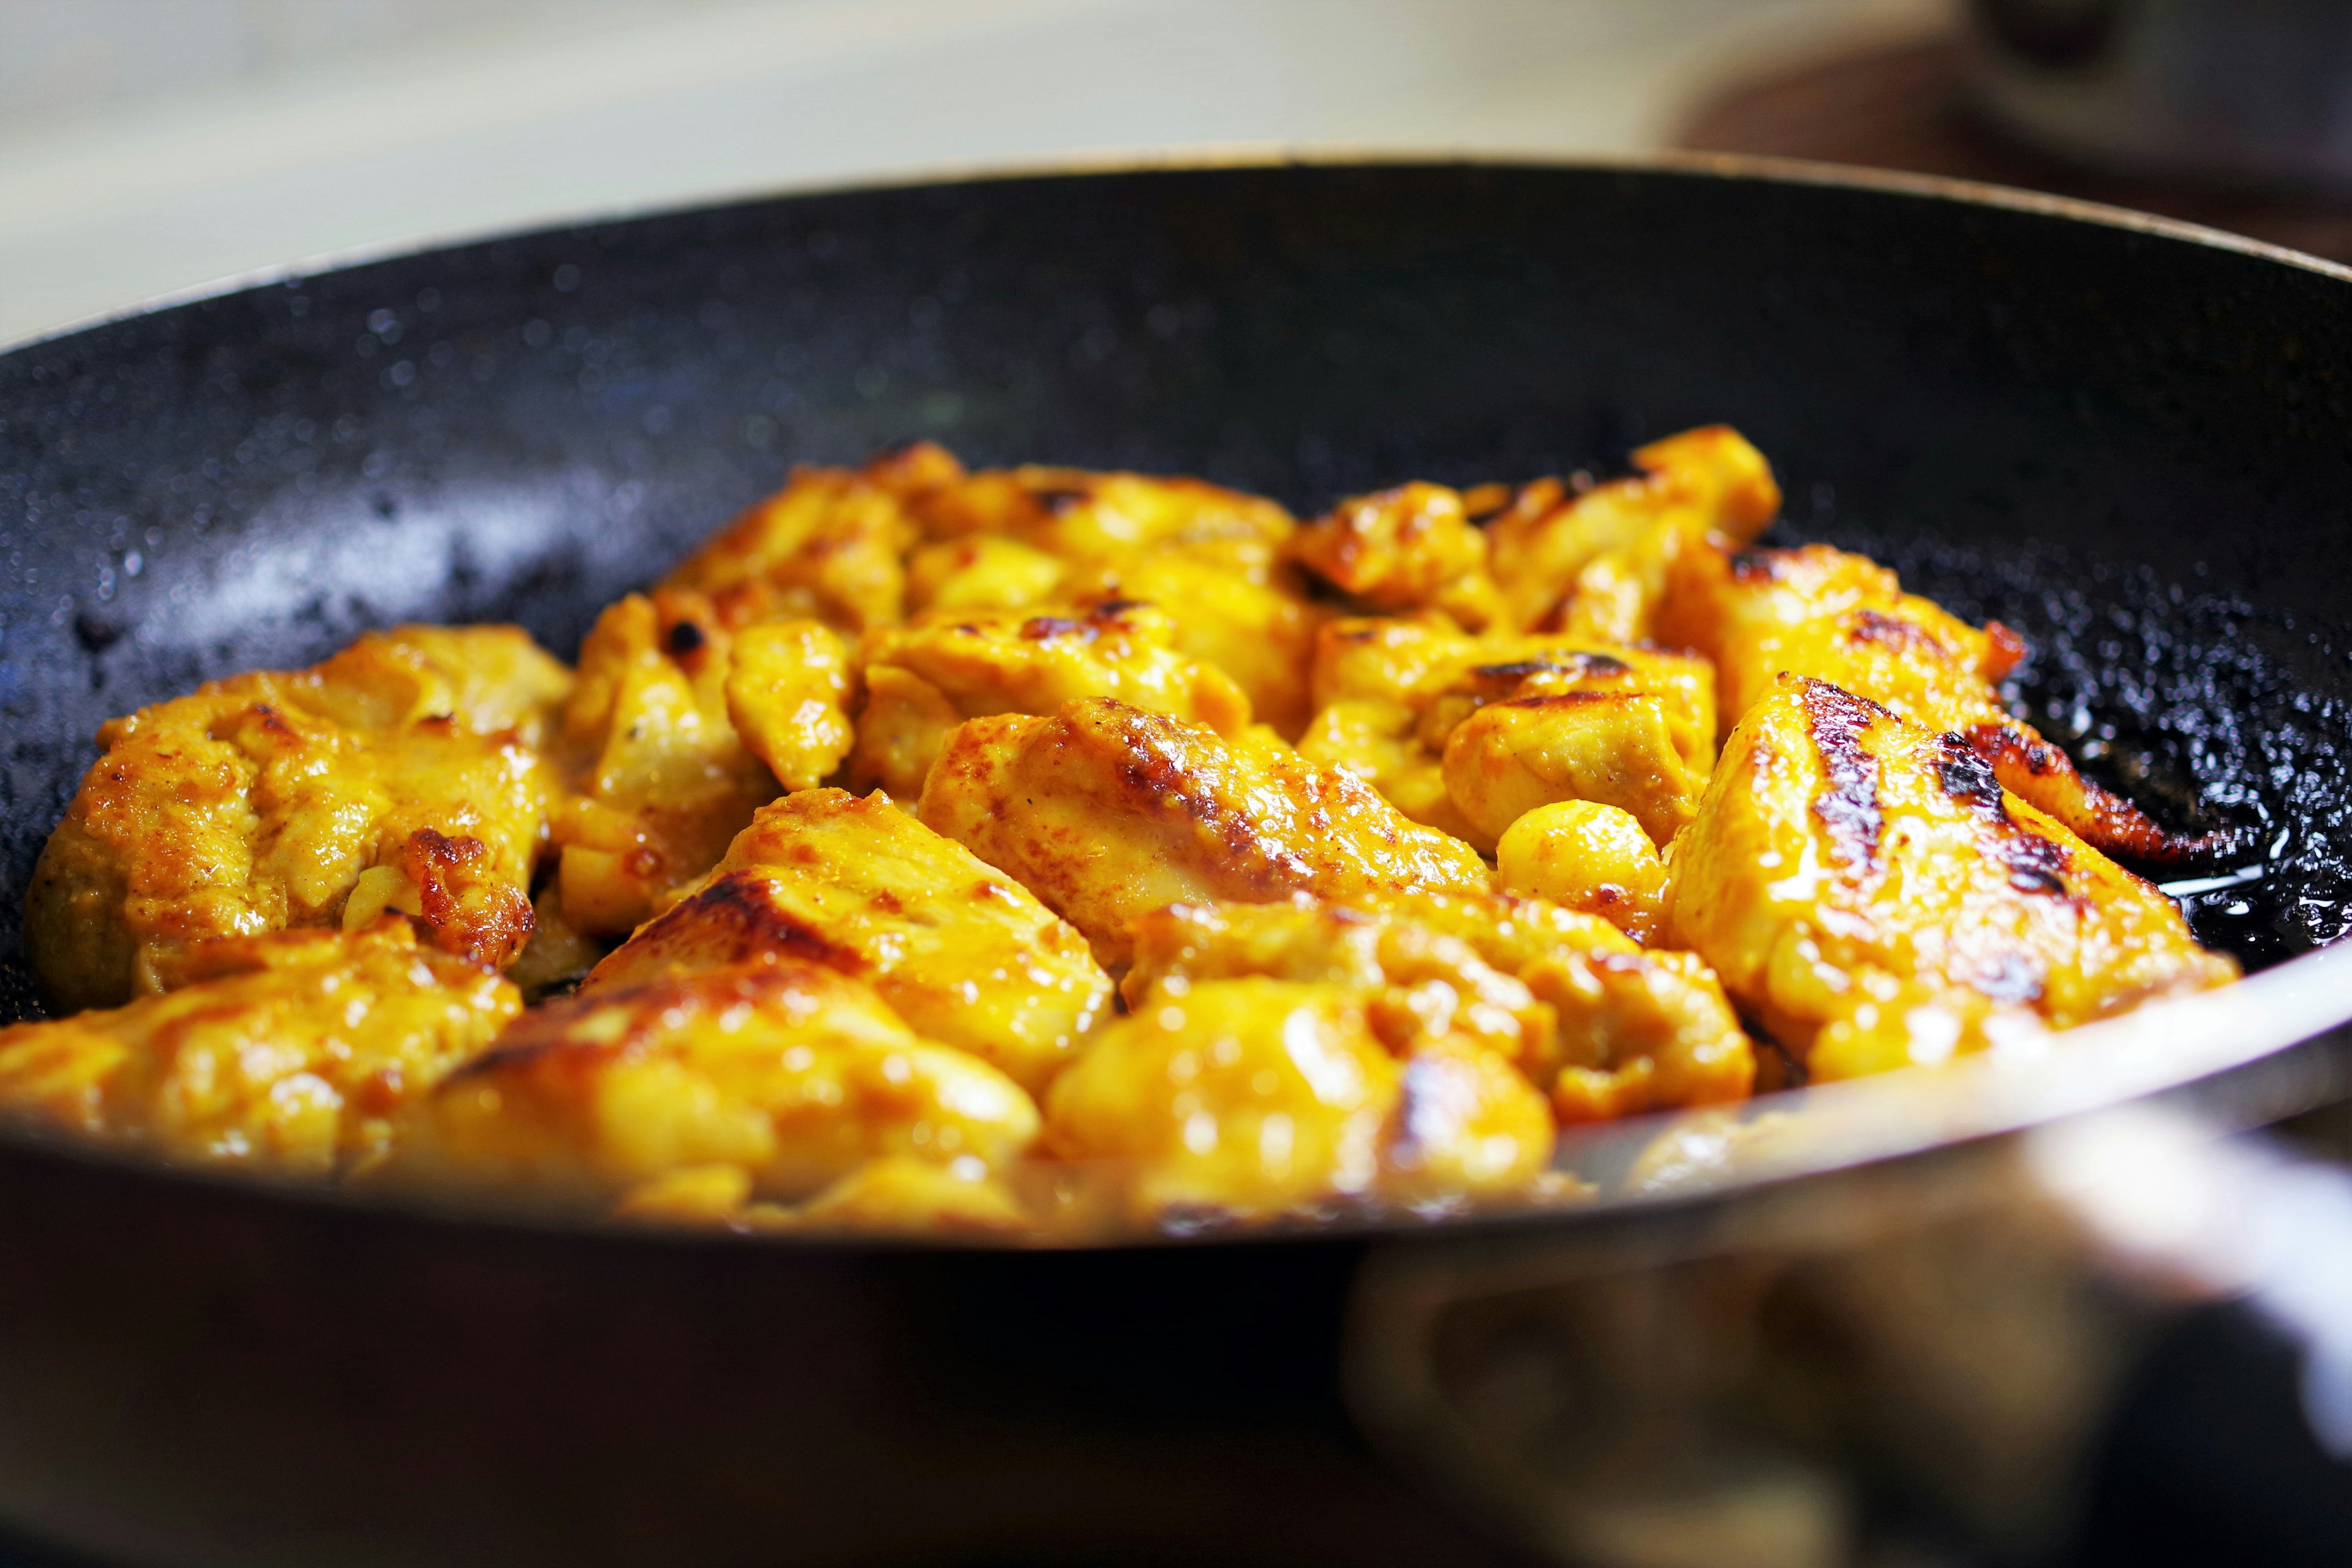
2130, 439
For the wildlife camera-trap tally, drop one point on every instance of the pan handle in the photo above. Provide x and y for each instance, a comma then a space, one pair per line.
1977, 1349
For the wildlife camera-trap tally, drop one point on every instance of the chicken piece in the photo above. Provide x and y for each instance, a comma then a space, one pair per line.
1595, 859
664, 779
830, 546
1063, 539
957, 948
1594, 562
1405, 550
904, 1195
1869, 893
1249, 1098
1106, 811
1419, 985
1250, 618
1559, 739
294, 1052
1602, 1028
986, 664
788, 692
1077, 515
1843, 618
1392, 694
770, 1081
401, 774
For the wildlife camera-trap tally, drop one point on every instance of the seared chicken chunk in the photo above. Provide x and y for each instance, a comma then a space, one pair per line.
788, 695
1106, 812
1251, 1097
969, 667
956, 947
1601, 1027
1839, 617
769, 1082
830, 546
1630, 727
664, 779
294, 1052
1406, 550
1419, 986
1870, 892
1593, 563
401, 774
1562, 737
1595, 859
1039, 539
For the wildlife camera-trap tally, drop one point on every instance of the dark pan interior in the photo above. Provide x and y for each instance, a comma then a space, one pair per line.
2135, 447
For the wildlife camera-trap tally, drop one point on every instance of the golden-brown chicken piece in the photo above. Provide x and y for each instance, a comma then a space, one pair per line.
1406, 550
664, 779
293, 1052
956, 947
787, 690
401, 774
1106, 812
1602, 1028
1635, 723
1419, 986
1563, 737
1594, 562
767, 1082
1869, 893
1253, 1097
1587, 857
1042, 539
1843, 618
973, 665
830, 546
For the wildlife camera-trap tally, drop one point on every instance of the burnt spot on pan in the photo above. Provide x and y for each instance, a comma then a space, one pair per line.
1849, 807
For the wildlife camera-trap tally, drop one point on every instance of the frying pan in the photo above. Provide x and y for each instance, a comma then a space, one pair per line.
2129, 439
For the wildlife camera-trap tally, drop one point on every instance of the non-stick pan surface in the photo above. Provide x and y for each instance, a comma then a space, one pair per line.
2130, 441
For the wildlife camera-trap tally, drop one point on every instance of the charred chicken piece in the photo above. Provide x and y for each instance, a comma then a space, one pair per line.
402, 774
1839, 617
295, 1052
1871, 894
956, 947
1106, 812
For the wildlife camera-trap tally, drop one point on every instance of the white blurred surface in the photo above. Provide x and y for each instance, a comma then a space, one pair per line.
149, 146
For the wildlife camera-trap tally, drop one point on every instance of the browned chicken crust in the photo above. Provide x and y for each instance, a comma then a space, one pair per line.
694, 1094
954, 946
296, 1052
1836, 616
400, 774
1869, 891
1106, 812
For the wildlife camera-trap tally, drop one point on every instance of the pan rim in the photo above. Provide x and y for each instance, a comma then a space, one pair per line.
2163, 1045
1753, 167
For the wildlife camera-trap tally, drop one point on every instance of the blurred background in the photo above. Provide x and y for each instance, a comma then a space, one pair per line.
148, 146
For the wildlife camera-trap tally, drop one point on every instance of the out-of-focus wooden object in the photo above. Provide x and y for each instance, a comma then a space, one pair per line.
1903, 104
